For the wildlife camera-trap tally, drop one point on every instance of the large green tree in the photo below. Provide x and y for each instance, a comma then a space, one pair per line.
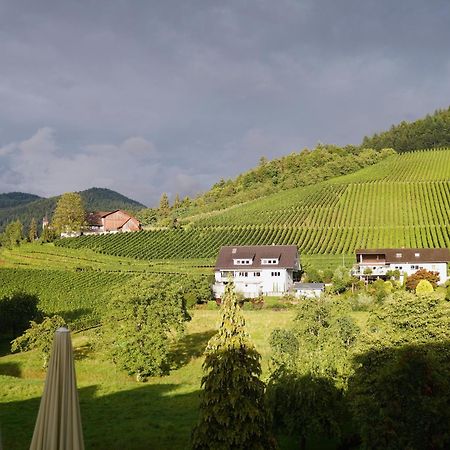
233, 413
400, 392
69, 216
310, 368
138, 326
39, 336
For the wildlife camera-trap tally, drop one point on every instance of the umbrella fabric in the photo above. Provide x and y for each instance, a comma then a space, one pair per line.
58, 425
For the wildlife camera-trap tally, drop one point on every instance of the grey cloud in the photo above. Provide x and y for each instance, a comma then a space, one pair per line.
211, 85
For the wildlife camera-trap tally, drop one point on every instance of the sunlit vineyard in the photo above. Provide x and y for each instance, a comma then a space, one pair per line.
79, 296
74, 295
403, 201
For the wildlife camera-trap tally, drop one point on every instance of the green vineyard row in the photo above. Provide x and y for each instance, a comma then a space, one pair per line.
205, 243
403, 201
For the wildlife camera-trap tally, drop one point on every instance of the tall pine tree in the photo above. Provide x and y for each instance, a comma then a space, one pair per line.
233, 413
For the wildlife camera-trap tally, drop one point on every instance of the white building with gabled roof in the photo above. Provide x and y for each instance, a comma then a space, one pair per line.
256, 270
372, 264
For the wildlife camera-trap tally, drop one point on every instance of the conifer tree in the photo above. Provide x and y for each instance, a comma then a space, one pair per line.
32, 231
177, 202
164, 206
233, 413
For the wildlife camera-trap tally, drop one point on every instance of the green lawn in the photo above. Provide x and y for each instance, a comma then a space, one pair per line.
118, 412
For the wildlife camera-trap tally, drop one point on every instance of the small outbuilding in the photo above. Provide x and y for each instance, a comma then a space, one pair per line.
309, 290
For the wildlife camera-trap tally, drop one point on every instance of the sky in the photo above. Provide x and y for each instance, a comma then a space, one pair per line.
145, 97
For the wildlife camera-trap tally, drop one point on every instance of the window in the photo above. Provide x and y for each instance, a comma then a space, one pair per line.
257, 274
269, 261
398, 255
416, 255
275, 274
243, 274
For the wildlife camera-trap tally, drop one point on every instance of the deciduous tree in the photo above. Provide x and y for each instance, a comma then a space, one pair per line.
69, 216
39, 336
138, 327
413, 280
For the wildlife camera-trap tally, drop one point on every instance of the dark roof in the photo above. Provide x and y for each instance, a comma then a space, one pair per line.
409, 255
309, 286
287, 256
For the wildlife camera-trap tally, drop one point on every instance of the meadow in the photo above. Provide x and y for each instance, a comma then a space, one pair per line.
117, 412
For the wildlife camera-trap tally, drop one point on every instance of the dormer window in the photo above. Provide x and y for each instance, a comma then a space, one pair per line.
269, 261
417, 255
398, 255
242, 262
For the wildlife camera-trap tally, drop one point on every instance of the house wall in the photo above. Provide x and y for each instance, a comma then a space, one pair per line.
131, 225
271, 281
407, 268
115, 220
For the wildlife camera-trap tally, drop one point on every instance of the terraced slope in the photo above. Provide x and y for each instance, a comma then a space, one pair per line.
404, 201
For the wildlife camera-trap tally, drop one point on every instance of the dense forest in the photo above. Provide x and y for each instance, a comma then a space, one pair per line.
432, 131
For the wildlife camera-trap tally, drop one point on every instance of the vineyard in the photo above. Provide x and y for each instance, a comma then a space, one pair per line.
78, 296
403, 201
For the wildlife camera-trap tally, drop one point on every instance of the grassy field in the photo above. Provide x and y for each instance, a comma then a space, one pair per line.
117, 412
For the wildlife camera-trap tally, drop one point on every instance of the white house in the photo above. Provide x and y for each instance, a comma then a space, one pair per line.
374, 264
256, 270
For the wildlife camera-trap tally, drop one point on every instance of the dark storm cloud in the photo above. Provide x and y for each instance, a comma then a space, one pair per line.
146, 96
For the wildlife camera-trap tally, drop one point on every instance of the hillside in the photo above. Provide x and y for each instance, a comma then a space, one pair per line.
433, 131
94, 199
12, 199
297, 169
403, 201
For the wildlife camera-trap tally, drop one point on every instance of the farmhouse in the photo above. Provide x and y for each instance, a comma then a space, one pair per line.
257, 270
376, 263
111, 222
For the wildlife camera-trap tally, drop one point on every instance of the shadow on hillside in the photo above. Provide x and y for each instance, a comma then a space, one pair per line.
5, 345
189, 347
401, 396
11, 369
147, 416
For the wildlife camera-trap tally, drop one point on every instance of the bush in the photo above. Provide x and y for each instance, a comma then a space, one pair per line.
424, 287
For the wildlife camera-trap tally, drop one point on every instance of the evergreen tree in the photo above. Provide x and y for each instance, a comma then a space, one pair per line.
233, 413
69, 213
32, 231
13, 234
164, 206
177, 202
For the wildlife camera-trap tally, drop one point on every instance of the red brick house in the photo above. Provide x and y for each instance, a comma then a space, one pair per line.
111, 222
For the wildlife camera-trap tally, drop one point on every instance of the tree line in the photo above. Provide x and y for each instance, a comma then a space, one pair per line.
432, 131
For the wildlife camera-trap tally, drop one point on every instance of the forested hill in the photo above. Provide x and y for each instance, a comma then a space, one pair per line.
432, 131
12, 199
297, 169
14, 206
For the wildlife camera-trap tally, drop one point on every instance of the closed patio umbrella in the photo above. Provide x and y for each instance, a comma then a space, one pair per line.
58, 425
